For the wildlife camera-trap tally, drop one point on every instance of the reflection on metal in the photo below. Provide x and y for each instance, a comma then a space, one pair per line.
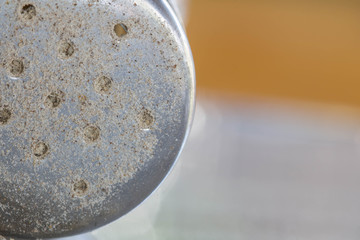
181, 6
96, 100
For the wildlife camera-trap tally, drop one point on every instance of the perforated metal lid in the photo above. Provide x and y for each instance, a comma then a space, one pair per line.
96, 99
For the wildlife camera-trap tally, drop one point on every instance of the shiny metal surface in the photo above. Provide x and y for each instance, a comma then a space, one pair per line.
96, 100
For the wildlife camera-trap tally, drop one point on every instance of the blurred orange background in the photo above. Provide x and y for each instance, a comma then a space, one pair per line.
302, 50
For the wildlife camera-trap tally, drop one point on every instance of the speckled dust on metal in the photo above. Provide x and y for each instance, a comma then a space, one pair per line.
96, 99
